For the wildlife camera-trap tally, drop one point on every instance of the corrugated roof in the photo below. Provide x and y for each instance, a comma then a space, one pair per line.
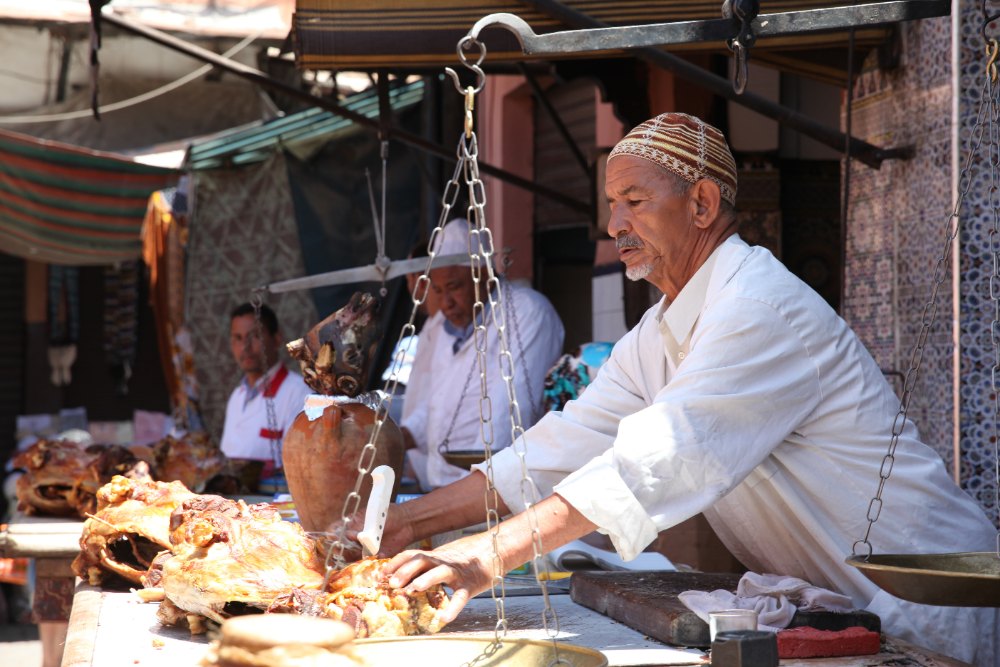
297, 131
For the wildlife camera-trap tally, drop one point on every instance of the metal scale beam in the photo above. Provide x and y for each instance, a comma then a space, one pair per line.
593, 36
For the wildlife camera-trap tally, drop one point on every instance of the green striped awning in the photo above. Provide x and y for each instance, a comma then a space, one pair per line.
63, 204
295, 132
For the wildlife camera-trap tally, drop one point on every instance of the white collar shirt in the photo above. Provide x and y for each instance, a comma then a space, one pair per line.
750, 400
442, 403
244, 434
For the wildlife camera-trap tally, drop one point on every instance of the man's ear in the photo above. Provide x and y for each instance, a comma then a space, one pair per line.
705, 198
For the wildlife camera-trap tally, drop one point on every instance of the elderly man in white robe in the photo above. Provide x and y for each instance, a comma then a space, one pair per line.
441, 411
742, 395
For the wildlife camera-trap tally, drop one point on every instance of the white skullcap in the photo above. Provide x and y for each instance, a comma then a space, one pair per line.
454, 238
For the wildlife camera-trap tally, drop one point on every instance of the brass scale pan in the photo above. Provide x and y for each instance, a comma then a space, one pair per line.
970, 579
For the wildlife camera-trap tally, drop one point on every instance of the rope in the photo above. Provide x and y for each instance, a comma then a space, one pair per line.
138, 99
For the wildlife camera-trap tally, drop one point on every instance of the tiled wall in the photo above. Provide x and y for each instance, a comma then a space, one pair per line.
897, 227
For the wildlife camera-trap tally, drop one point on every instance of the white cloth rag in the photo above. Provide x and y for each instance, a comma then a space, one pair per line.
774, 597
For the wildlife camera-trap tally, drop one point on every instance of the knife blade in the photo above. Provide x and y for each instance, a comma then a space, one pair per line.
370, 537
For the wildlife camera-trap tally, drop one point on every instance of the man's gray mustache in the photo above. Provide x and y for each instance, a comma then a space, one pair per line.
626, 241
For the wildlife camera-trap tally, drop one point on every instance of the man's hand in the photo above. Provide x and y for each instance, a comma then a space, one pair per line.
465, 566
398, 532
397, 535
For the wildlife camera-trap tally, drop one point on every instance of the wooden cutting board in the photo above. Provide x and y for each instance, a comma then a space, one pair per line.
647, 602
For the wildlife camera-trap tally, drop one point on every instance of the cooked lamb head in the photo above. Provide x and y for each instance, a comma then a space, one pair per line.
52, 469
131, 526
231, 558
107, 461
336, 355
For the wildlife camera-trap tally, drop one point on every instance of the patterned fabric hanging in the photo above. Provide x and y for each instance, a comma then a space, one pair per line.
121, 299
64, 321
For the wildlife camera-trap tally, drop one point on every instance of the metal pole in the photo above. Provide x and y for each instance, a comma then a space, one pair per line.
265, 81
867, 153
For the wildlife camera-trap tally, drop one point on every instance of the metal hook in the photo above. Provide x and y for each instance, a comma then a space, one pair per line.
468, 40
992, 50
740, 73
745, 11
987, 19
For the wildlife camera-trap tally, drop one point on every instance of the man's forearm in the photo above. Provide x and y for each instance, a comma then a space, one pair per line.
558, 523
458, 505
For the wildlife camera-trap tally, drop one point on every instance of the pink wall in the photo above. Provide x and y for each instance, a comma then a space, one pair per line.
504, 125
608, 130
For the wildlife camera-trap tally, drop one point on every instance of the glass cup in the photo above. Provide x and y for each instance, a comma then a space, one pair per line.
731, 619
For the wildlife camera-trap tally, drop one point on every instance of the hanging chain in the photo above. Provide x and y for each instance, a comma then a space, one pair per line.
986, 118
994, 158
443, 446
481, 250
535, 407
257, 300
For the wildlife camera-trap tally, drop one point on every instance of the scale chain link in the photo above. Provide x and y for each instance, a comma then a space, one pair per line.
480, 235
466, 170
994, 158
335, 559
986, 118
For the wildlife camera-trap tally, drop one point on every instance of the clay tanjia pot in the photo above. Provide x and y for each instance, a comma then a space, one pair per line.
321, 458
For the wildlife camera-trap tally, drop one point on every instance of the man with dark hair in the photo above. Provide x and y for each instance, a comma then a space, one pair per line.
267, 399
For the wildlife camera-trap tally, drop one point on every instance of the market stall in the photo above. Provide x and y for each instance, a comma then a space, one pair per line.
111, 628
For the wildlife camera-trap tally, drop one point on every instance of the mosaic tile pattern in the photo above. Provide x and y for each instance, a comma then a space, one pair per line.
898, 222
977, 458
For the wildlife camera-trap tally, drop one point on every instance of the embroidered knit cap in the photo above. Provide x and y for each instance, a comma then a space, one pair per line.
685, 146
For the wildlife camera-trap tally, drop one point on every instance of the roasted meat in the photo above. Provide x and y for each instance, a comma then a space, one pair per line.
320, 458
336, 354
192, 459
131, 526
62, 477
360, 596
231, 558
107, 461
51, 469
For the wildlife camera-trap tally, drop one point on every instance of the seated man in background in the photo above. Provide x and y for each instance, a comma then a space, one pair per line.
267, 399
442, 408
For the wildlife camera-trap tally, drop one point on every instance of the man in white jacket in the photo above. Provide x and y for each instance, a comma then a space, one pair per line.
441, 409
267, 399
742, 395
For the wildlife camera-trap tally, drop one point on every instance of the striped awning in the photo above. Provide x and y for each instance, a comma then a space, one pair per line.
368, 34
63, 204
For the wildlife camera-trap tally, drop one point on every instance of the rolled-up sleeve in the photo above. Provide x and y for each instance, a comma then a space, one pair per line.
636, 459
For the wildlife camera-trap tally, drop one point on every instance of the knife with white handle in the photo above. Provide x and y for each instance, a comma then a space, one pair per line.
383, 478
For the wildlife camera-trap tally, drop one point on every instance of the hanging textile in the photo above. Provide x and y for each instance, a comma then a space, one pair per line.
164, 237
63, 204
64, 321
121, 321
243, 234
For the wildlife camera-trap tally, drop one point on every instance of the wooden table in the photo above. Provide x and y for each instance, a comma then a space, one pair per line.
53, 543
114, 629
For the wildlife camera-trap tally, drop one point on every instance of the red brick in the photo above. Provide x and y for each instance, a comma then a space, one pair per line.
808, 642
